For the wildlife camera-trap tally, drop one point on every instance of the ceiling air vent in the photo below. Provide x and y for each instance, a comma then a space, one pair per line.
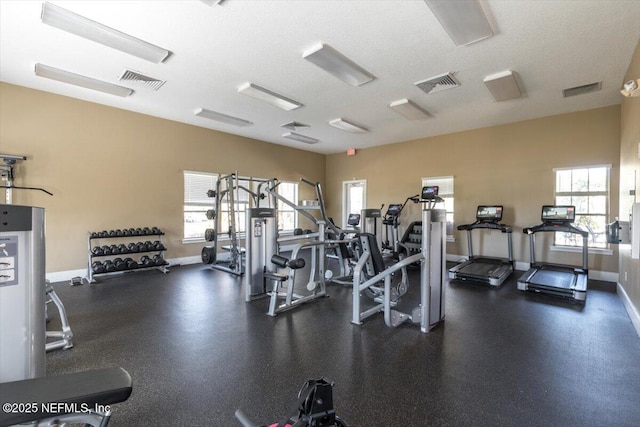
438, 83
294, 126
135, 77
581, 90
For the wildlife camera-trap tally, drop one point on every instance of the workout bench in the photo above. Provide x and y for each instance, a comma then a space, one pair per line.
81, 397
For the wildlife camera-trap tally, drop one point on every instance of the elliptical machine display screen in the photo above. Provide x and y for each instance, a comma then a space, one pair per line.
489, 213
430, 192
353, 220
558, 214
393, 210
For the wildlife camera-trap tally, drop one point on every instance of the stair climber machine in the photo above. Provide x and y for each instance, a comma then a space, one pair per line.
26, 394
489, 270
371, 278
556, 279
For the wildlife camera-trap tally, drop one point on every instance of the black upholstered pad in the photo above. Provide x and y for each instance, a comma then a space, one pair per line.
100, 386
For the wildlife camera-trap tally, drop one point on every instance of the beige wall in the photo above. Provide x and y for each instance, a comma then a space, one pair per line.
509, 164
630, 179
111, 168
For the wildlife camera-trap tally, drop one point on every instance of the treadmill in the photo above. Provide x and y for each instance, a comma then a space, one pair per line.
556, 279
487, 270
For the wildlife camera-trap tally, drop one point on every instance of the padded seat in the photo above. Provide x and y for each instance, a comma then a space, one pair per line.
95, 387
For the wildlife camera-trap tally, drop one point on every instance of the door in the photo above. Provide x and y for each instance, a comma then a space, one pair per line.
354, 198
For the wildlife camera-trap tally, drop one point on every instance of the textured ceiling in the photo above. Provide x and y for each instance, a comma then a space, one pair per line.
551, 45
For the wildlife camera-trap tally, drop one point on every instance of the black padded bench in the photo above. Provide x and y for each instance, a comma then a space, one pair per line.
81, 389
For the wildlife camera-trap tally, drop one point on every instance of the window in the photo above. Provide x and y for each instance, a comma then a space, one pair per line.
587, 189
445, 190
196, 203
287, 217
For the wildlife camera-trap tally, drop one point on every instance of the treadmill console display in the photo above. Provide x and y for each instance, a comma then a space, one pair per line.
394, 210
430, 192
489, 213
558, 214
353, 219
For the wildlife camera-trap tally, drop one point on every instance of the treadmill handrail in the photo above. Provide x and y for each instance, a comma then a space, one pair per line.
555, 227
486, 224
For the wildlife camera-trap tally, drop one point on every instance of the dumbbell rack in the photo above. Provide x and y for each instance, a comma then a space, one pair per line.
93, 236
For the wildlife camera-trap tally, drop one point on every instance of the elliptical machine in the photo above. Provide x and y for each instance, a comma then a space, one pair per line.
391, 221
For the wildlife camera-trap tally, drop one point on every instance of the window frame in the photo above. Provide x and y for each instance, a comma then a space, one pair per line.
196, 204
598, 246
284, 208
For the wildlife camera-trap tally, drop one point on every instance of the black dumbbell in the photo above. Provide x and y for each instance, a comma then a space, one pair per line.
146, 230
148, 246
130, 263
103, 233
119, 233
97, 267
146, 261
126, 232
123, 248
106, 250
112, 233
119, 264
158, 260
141, 247
132, 247
97, 251
139, 231
94, 235
156, 230
115, 250
132, 232
109, 266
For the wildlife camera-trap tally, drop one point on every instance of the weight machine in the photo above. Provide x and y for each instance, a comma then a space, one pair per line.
227, 193
23, 338
263, 259
7, 265
370, 273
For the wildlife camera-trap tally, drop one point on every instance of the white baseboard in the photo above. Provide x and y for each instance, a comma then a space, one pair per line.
631, 309
66, 276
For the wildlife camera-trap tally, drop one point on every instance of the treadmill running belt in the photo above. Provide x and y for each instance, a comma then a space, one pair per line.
556, 279
484, 270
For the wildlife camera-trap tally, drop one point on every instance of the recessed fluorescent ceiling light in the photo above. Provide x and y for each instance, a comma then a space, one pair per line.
463, 20
79, 25
80, 80
335, 63
268, 96
219, 117
212, 2
503, 86
409, 109
300, 138
349, 127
